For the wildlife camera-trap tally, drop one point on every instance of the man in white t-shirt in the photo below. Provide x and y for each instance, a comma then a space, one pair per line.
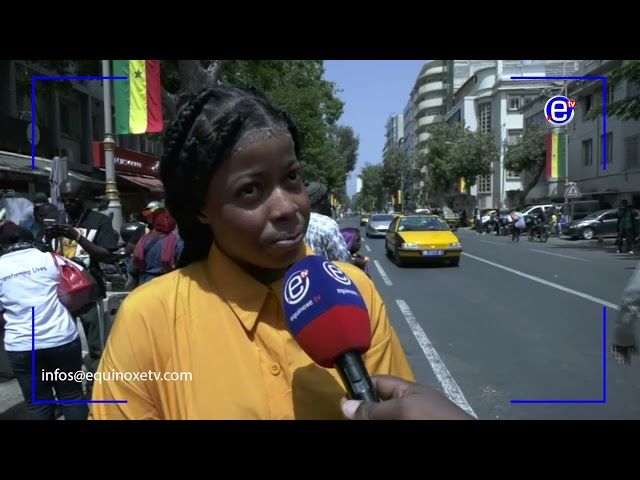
32, 312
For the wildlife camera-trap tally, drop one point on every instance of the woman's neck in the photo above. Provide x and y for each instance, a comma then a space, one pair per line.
264, 275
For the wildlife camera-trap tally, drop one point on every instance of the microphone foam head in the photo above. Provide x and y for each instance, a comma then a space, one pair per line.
325, 311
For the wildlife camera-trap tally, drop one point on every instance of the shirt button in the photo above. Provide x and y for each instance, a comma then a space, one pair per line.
275, 369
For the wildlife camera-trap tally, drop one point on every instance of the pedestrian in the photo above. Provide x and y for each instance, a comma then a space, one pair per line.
626, 227
232, 180
625, 338
323, 233
89, 239
29, 303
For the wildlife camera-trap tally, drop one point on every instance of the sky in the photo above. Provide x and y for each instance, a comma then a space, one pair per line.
371, 90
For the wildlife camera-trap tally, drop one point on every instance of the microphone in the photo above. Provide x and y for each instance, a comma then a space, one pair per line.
329, 319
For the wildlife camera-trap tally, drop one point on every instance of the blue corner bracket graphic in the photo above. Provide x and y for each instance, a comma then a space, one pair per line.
33, 103
604, 372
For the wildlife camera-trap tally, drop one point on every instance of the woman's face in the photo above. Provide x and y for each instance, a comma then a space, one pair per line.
257, 206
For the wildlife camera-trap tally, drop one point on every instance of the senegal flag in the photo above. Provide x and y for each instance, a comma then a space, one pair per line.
138, 99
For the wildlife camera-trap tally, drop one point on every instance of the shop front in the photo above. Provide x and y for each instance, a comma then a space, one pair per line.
136, 177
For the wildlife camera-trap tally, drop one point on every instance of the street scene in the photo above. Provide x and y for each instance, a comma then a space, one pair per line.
491, 204
515, 321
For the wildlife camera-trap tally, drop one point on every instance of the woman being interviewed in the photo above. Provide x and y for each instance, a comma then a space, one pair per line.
232, 181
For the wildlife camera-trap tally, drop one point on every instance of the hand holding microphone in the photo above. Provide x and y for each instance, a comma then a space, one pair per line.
403, 400
329, 319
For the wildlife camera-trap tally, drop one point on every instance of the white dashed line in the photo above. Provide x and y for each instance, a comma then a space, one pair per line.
382, 273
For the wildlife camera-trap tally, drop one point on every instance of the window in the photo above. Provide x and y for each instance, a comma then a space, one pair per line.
632, 154
69, 124
484, 184
610, 216
610, 98
514, 137
513, 175
513, 103
586, 101
587, 152
484, 117
609, 148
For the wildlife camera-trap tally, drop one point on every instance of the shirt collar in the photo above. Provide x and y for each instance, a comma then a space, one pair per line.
244, 294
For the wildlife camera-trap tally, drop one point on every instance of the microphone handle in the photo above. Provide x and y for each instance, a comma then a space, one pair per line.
354, 374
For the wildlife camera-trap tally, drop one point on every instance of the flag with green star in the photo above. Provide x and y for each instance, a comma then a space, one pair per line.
138, 99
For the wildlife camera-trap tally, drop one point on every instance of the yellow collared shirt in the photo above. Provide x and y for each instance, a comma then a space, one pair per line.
214, 322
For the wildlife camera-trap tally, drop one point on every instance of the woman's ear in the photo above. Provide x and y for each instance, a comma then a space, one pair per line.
204, 218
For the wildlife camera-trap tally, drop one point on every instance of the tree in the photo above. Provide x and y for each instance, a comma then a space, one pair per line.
528, 156
346, 144
373, 196
457, 152
627, 108
440, 177
396, 171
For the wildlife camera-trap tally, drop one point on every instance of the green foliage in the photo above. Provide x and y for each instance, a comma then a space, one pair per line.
373, 196
528, 156
456, 152
627, 108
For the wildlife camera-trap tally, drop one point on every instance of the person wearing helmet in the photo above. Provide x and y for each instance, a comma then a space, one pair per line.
148, 212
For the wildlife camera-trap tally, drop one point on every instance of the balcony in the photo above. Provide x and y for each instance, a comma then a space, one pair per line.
429, 88
433, 70
430, 103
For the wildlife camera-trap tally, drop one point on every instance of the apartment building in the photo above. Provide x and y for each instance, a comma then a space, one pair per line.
68, 123
490, 101
394, 132
587, 144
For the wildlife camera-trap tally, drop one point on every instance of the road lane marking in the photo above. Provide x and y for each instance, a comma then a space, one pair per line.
382, 273
559, 255
367, 247
546, 282
489, 241
449, 385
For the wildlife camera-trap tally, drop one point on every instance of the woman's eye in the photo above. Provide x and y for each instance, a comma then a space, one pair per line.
248, 190
294, 174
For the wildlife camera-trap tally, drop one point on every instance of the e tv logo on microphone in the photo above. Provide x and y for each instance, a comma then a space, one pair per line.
335, 273
296, 287
560, 110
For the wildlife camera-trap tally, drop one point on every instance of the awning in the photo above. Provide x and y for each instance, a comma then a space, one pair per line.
152, 184
17, 163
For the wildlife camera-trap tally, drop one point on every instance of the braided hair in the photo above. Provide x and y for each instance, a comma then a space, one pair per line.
208, 129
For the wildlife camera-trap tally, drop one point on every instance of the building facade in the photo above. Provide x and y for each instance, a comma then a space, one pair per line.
68, 123
587, 143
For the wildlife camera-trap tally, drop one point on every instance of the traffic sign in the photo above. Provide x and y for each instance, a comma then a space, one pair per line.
572, 191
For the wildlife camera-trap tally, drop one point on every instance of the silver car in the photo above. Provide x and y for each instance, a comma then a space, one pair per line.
378, 225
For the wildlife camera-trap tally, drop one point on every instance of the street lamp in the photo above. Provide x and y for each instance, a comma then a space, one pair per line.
111, 190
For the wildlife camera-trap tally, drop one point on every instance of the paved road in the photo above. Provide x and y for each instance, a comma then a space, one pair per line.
515, 321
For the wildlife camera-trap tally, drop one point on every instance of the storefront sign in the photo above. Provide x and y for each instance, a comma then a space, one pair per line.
127, 161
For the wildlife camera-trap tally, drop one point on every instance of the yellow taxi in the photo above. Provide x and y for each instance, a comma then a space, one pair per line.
421, 238
364, 218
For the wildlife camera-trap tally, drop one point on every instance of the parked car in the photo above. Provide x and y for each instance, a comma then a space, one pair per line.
602, 223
